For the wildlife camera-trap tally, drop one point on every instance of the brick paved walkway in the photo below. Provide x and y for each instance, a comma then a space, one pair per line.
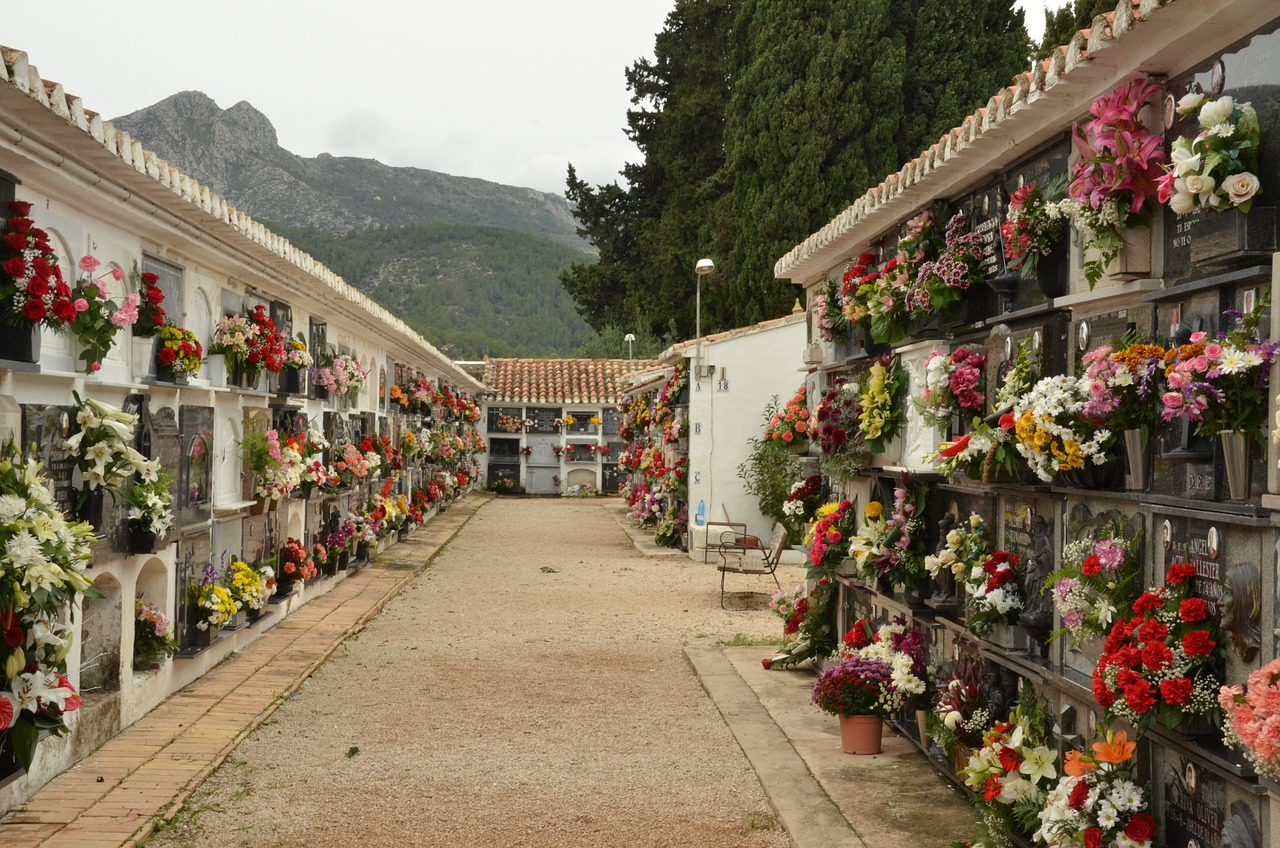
116, 796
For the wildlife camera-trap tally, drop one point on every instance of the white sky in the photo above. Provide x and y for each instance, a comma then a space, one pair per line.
505, 90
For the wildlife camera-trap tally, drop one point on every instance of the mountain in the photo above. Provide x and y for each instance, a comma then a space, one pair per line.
472, 265
470, 290
236, 152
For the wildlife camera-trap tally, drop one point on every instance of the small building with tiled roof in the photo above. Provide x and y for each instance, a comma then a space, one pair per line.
553, 423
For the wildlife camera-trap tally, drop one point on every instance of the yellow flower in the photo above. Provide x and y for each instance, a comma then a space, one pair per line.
875, 509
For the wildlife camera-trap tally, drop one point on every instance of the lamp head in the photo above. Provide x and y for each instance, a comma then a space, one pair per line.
629, 337
704, 267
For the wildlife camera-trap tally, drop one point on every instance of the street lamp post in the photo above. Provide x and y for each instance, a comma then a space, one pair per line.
629, 338
704, 267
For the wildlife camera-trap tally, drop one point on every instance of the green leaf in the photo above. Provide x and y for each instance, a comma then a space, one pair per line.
24, 737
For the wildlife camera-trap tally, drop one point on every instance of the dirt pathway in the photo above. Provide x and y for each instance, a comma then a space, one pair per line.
527, 690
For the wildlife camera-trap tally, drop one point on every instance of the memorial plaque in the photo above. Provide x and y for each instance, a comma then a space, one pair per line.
1053, 271
194, 564
195, 477
1195, 804
610, 419
1203, 544
984, 212
256, 539
1091, 332
46, 429
1046, 345
544, 419
504, 450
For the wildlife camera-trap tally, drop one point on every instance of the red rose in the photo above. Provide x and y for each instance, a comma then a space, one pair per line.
1198, 644
33, 310
20, 207
767, 663
16, 242
15, 267
1079, 794
20, 225
61, 289
1176, 691
1092, 565
42, 268
1092, 837
154, 295
157, 320
1179, 572
149, 278
167, 355
65, 310
1141, 827
1194, 609
37, 287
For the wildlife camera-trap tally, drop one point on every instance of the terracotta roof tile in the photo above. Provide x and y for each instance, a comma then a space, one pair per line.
591, 381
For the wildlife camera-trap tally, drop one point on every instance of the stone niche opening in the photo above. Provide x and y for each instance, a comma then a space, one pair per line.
153, 587
100, 634
580, 477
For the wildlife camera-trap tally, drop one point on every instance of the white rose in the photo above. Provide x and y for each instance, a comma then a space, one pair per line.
954, 538
1202, 185
1241, 187
1190, 102
952, 719
1216, 111
1182, 202
946, 557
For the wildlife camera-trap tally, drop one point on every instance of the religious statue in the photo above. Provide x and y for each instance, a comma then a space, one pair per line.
944, 594
1241, 609
1037, 615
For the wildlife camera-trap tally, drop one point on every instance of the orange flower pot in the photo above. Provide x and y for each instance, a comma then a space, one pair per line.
860, 734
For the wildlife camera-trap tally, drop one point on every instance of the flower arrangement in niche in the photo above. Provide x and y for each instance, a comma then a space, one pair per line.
297, 356
1096, 581
152, 632
852, 307
151, 315
213, 603
1121, 385
1115, 176
150, 506
810, 625
828, 538
1099, 800
295, 563
828, 317
343, 376
97, 318
1034, 223
1050, 431
1221, 384
953, 385
247, 586
961, 715
801, 505
790, 424
40, 584
510, 423
964, 550
31, 280
1252, 718
881, 403
941, 283
233, 338
994, 592
835, 427
1013, 770
892, 547
179, 350
102, 448
1161, 662
1215, 168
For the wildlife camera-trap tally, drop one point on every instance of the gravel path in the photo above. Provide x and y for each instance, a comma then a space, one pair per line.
527, 690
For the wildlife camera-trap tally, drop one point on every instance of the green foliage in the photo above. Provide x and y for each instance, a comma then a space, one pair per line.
758, 122
611, 343
470, 290
769, 471
1061, 24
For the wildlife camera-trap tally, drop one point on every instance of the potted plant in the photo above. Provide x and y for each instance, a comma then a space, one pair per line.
860, 691
35, 669
153, 640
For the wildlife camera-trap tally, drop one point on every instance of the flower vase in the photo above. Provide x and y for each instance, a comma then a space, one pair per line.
344, 560
799, 446
1053, 271
237, 621
1235, 456
290, 381
1136, 459
215, 368
362, 552
860, 734
142, 354
147, 662
20, 343
1134, 259
140, 541
167, 374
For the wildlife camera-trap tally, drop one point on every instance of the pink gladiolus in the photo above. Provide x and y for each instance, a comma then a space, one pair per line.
89, 263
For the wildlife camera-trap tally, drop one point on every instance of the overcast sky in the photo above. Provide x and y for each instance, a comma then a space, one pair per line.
505, 90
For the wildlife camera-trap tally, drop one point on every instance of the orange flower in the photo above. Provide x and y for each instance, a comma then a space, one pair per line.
1118, 750
1074, 764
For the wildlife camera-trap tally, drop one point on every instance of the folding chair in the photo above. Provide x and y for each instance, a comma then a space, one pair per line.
739, 557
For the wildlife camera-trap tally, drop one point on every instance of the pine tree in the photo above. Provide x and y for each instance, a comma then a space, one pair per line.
1061, 24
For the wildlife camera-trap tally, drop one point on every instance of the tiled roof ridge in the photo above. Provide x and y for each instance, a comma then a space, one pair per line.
561, 381
17, 71
1027, 87
789, 318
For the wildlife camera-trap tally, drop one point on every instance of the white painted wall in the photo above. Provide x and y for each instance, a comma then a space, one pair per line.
727, 410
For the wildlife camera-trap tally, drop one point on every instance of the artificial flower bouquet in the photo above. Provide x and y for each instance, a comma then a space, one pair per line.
179, 350
801, 505
31, 281
964, 549
809, 623
1162, 662
891, 547
852, 308
953, 385
1215, 169
1098, 801
102, 447
1121, 385
1013, 771
941, 283
297, 357
835, 427
994, 592
510, 423
1034, 224
247, 586
1115, 176
343, 376
828, 317
214, 604
989, 446
150, 505
43, 579
151, 315
880, 418
1253, 718
961, 715
1097, 580
97, 317
1051, 432
232, 337
1221, 384
790, 605
828, 538
295, 563
790, 425
152, 632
